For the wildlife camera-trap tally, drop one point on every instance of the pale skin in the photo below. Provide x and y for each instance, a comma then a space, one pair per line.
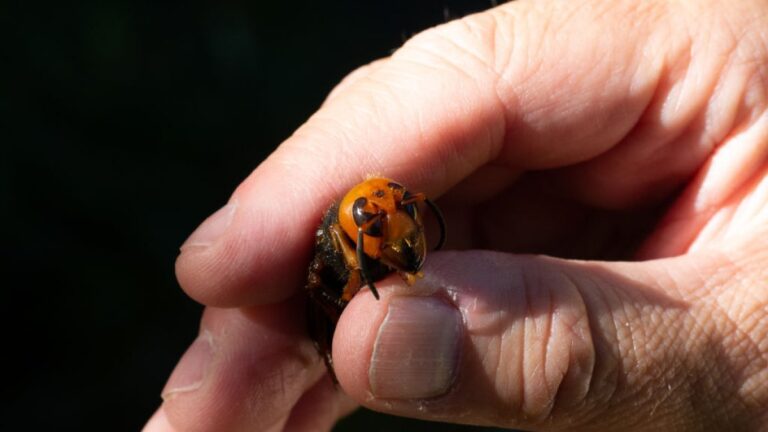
621, 108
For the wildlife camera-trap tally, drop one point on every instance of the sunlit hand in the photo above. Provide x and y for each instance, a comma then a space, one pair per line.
592, 130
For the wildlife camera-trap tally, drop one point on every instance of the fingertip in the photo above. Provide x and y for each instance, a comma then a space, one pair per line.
158, 422
405, 346
258, 258
260, 355
353, 341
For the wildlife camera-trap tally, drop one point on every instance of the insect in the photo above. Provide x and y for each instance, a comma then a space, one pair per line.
376, 229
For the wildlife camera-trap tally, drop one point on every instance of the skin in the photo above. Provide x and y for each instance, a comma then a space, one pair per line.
603, 171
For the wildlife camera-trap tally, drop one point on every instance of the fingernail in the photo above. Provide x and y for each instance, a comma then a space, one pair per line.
417, 349
211, 228
192, 368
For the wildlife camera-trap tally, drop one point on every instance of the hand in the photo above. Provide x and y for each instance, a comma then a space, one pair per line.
584, 129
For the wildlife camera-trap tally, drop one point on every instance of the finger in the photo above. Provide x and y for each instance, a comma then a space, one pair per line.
451, 100
705, 96
320, 408
158, 423
534, 342
245, 371
723, 203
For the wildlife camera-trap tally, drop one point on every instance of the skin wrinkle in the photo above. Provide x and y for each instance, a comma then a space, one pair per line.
244, 407
589, 414
677, 64
422, 52
241, 243
754, 206
373, 160
636, 371
443, 60
543, 324
419, 132
517, 380
544, 335
547, 337
549, 387
630, 126
754, 321
755, 91
530, 279
571, 321
490, 356
665, 396
301, 149
275, 381
685, 82
492, 28
588, 341
553, 384
453, 152
508, 104
527, 65
747, 211
660, 378
607, 337
504, 375
708, 137
727, 65
385, 96
469, 49
705, 378
687, 51
704, 383
266, 392
524, 289
737, 224
688, 134
638, 335
523, 68
745, 345
717, 193
727, 302
658, 336
230, 251
756, 364
701, 213
617, 321
658, 65
495, 141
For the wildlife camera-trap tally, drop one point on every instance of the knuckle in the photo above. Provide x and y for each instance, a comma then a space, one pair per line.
557, 362
475, 45
562, 376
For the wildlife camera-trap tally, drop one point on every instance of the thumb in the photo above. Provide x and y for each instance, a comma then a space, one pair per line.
531, 341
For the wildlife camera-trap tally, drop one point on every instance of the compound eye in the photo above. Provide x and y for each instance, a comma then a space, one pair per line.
411, 207
371, 223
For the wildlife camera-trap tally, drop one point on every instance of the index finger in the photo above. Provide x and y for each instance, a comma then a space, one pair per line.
451, 100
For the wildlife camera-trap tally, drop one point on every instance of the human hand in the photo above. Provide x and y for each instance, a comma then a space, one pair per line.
544, 127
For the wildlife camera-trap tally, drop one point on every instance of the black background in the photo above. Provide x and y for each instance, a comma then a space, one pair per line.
125, 124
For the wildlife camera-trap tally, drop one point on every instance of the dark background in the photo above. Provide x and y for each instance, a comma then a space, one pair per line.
125, 124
